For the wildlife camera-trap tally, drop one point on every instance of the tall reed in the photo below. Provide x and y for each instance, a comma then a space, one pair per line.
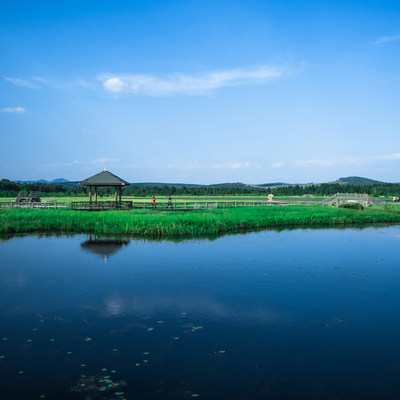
197, 222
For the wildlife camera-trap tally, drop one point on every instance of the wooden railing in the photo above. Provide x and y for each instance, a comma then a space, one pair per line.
337, 199
101, 205
43, 205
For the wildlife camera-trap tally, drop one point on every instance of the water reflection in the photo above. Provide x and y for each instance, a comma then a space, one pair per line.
104, 247
295, 314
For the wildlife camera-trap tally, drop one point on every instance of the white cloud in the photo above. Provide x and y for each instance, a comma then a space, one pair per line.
386, 39
279, 164
39, 82
84, 163
21, 82
105, 160
65, 164
197, 165
339, 161
189, 84
395, 156
114, 85
240, 165
14, 110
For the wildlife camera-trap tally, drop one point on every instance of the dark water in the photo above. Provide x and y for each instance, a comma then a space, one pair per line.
302, 314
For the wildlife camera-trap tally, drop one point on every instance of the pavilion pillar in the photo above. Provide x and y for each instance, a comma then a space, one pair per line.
95, 193
116, 193
120, 193
90, 193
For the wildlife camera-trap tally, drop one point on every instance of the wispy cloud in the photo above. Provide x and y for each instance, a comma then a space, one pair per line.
105, 161
279, 164
14, 110
386, 39
152, 85
197, 165
99, 161
340, 161
64, 164
22, 82
40, 82
188, 84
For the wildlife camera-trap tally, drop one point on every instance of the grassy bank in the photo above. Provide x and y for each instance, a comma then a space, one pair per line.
165, 223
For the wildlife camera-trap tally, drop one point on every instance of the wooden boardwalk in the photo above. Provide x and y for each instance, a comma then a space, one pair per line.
42, 205
101, 205
339, 199
335, 200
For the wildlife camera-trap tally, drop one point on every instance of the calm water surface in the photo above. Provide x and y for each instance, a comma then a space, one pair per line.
301, 314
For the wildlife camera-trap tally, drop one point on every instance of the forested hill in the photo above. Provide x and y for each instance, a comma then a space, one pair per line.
357, 180
11, 189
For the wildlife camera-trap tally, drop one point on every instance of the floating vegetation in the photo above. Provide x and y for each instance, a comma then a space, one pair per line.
196, 328
20, 372
4, 338
149, 329
160, 322
93, 387
88, 339
2, 357
176, 338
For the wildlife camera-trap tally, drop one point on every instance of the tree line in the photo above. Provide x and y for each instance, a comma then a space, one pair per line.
11, 189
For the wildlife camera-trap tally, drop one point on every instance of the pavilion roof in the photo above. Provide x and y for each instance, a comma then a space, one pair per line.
104, 178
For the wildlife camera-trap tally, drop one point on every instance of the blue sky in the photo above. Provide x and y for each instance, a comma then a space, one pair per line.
200, 91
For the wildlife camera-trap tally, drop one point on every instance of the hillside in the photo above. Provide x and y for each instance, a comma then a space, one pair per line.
358, 181
350, 180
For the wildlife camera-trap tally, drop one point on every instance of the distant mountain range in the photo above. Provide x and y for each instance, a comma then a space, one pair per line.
59, 180
350, 180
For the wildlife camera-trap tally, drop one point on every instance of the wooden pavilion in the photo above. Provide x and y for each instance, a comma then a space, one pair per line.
103, 179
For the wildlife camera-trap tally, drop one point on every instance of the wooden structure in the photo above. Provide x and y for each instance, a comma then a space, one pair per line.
23, 197
101, 205
104, 179
339, 199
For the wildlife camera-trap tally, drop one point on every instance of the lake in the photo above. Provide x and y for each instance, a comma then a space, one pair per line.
294, 314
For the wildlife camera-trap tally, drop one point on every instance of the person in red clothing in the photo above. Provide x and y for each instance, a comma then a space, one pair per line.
154, 202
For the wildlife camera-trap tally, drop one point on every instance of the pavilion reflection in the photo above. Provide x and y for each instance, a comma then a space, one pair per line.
104, 247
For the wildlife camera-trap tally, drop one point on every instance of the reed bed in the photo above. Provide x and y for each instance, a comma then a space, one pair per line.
198, 222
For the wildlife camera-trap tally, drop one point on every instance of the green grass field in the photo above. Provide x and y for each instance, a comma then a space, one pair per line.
147, 222
160, 199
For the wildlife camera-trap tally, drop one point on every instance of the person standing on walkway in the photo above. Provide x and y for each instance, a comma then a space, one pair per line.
169, 202
154, 202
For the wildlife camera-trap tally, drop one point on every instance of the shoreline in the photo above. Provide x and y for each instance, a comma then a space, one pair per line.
150, 223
